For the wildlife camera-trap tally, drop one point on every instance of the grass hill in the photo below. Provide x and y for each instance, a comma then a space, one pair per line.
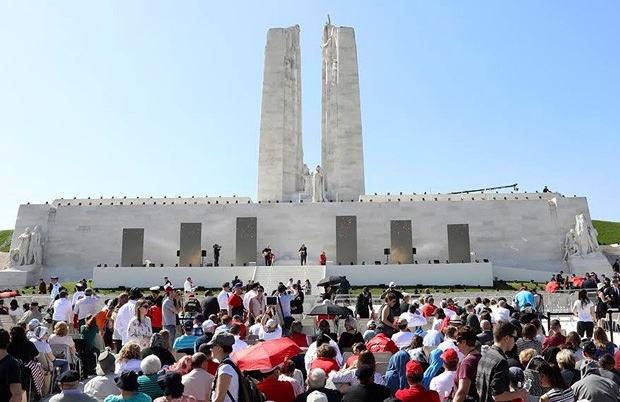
608, 232
5, 240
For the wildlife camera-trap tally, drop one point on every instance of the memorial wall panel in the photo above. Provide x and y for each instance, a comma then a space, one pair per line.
246, 241
346, 240
190, 250
458, 243
132, 252
401, 242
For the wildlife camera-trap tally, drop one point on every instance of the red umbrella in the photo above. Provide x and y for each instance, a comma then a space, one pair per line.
552, 287
578, 281
266, 355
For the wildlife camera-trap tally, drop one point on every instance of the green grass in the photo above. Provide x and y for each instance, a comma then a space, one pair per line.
5, 240
608, 232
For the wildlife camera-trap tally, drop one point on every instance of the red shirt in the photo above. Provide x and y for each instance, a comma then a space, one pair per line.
428, 310
556, 339
381, 343
351, 360
243, 328
155, 316
327, 364
417, 393
300, 339
323, 259
235, 301
277, 391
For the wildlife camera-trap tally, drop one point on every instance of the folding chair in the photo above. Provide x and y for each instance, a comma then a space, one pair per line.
64, 352
51, 374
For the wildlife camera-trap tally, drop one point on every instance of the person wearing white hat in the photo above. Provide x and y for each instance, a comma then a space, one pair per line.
270, 329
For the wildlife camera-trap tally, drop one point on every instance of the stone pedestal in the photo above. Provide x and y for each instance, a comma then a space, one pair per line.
22, 276
596, 262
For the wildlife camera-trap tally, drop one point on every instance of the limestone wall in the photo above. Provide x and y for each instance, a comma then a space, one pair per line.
510, 233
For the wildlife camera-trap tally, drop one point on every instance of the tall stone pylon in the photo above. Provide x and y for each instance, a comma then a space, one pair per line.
342, 151
280, 154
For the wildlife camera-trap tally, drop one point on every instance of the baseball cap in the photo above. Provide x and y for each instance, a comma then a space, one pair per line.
208, 325
188, 325
449, 355
414, 368
32, 324
392, 284
589, 347
222, 339
237, 286
370, 323
154, 288
271, 323
69, 376
600, 286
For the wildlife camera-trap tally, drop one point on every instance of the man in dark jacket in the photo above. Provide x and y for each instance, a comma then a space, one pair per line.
366, 390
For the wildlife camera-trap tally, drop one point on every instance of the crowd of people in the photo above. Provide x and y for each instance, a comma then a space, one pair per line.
172, 344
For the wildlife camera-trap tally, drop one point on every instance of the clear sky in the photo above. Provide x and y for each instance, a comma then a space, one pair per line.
154, 98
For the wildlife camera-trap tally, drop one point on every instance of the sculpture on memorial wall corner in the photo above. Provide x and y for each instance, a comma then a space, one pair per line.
29, 250
581, 240
318, 185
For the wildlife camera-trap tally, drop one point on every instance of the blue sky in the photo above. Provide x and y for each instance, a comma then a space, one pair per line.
154, 98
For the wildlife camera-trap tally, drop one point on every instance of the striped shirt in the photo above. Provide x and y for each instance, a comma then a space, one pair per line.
148, 384
561, 395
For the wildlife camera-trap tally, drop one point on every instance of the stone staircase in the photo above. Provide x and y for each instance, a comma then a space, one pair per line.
270, 276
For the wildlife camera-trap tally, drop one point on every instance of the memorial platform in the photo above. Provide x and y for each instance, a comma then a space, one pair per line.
470, 274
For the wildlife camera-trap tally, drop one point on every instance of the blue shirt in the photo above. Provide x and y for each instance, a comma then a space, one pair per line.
524, 297
136, 397
184, 342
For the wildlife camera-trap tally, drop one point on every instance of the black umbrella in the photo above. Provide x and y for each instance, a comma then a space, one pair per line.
332, 280
329, 309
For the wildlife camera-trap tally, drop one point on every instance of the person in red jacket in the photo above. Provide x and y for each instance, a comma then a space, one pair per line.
323, 258
275, 390
325, 359
381, 343
557, 338
416, 391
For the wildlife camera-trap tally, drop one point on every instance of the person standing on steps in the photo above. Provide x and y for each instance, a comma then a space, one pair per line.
303, 254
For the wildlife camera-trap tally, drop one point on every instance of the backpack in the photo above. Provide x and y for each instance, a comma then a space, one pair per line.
248, 392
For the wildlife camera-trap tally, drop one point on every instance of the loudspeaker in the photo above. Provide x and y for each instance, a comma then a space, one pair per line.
178, 253
386, 251
414, 251
204, 253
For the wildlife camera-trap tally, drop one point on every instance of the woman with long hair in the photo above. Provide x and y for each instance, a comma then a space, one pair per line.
583, 308
15, 310
89, 332
601, 302
139, 328
551, 377
603, 346
21, 348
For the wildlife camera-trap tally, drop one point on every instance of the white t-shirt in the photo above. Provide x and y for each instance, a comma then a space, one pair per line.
269, 336
443, 384
233, 388
222, 299
63, 311
402, 339
584, 311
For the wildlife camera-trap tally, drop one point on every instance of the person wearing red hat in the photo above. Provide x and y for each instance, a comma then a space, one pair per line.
444, 382
416, 391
